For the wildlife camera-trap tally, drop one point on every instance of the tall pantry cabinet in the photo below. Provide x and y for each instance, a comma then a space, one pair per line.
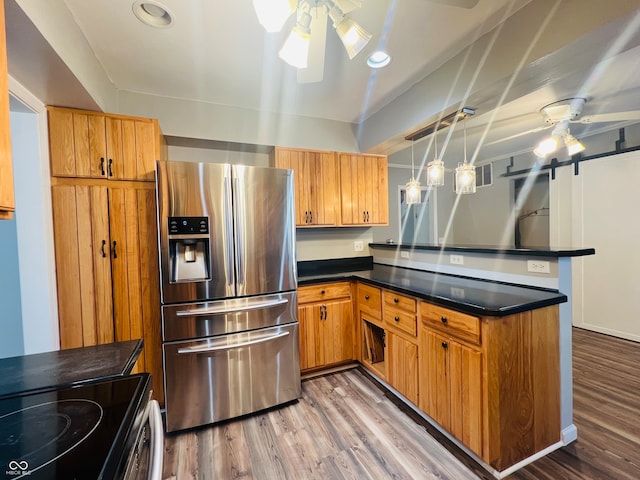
105, 232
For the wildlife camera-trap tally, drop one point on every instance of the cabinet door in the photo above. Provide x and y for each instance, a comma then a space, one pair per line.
402, 369
311, 339
465, 367
77, 144
7, 202
436, 392
364, 196
133, 149
83, 267
295, 160
337, 331
323, 184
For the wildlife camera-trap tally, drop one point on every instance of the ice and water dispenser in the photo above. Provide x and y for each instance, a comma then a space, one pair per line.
189, 249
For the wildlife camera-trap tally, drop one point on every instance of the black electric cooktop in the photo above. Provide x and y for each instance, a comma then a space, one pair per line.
72, 433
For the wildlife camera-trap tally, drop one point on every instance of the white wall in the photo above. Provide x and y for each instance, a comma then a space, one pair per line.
11, 339
29, 139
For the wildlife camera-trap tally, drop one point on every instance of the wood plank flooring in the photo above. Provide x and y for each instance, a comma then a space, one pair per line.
346, 426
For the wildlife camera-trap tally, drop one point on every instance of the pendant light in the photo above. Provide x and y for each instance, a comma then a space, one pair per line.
435, 168
465, 173
412, 188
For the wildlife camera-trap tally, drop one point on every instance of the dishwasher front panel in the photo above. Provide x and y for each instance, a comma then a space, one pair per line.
231, 375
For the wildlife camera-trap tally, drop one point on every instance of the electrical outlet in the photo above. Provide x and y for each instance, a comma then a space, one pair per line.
456, 259
538, 266
457, 292
404, 254
358, 246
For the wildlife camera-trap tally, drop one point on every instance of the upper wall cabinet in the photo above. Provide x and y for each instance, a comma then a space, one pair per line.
96, 145
337, 189
7, 203
364, 194
316, 185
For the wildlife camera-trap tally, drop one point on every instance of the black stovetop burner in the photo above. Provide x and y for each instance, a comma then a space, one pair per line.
74, 433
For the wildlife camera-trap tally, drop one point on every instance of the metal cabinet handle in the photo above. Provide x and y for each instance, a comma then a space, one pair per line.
115, 255
104, 254
322, 292
310, 216
197, 349
445, 345
397, 319
306, 216
366, 297
396, 300
110, 169
443, 319
101, 165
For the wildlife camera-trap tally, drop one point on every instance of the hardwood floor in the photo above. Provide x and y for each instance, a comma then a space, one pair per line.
348, 427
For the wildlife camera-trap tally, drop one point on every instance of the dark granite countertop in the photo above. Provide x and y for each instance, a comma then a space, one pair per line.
556, 252
479, 297
30, 373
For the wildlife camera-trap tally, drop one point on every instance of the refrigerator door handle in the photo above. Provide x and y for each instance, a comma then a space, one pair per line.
203, 349
231, 309
228, 207
239, 208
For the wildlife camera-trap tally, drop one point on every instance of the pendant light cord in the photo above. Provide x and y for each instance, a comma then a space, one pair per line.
464, 129
412, 167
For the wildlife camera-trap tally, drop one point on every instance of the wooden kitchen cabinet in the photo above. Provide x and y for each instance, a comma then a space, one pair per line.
364, 195
452, 389
325, 315
7, 200
107, 267
492, 382
316, 185
96, 145
399, 313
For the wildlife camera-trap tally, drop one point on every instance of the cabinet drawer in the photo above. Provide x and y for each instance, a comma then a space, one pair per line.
461, 325
397, 301
325, 291
370, 300
400, 320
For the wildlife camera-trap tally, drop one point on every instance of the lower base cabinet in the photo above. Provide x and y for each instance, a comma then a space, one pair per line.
452, 387
402, 368
325, 315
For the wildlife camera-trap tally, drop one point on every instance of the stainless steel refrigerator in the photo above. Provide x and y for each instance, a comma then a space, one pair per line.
228, 288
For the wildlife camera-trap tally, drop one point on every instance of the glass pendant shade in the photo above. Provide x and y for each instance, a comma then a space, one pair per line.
353, 36
273, 13
435, 173
412, 192
465, 178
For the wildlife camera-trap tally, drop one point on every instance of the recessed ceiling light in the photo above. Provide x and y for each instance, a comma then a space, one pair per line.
378, 59
152, 13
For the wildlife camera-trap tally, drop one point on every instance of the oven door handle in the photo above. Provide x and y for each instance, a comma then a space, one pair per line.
157, 441
233, 346
232, 309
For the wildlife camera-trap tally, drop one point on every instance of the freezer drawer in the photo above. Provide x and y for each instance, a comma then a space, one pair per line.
208, 319
224, 377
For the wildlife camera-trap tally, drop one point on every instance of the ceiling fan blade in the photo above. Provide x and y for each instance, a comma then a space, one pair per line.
458, 3
520, 134
609, 117
315, 65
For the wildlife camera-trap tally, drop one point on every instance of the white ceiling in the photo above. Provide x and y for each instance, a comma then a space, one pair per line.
217, 53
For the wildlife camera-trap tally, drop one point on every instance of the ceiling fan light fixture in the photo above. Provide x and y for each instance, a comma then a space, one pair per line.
353, 36
546, 147
378, 59
295, 50
574, 146
272, 14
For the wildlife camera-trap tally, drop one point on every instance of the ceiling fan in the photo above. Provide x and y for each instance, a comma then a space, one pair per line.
559, 115
305, 45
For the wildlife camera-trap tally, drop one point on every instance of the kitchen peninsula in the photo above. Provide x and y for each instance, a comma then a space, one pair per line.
481, 347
